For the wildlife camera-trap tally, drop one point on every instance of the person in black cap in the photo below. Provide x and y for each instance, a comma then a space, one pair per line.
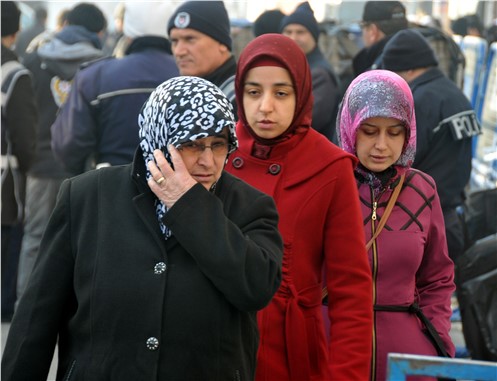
302, 27
18, 126
201, 44
446, 125
380, 21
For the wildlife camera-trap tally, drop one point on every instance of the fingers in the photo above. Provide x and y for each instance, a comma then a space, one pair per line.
168, 184
179, 165
162, 165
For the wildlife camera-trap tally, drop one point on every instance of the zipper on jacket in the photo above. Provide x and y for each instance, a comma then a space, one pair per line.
374, 261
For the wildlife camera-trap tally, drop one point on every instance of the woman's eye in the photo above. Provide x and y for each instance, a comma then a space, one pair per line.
395, 132
190, 146
368, 132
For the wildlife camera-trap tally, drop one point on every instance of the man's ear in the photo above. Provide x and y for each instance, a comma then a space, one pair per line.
223, 48
376, 33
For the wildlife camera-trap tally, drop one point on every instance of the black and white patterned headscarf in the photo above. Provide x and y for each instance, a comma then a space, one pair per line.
182, 109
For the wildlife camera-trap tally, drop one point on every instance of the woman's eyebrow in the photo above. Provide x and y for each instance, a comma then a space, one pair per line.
375, 125
273, 84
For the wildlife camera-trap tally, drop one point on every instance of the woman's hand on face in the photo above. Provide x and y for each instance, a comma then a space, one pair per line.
169, 184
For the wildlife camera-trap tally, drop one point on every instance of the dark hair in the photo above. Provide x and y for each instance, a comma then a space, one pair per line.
473, 21
88, 16
10, 18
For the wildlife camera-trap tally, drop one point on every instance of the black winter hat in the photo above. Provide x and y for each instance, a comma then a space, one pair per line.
268, 22
383, 11
88, 16
407, 50
303, 15
208, 17
10, 18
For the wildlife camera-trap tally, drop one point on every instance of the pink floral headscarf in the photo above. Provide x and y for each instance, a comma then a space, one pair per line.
378, 93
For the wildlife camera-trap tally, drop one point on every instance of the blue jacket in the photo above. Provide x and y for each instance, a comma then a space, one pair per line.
98, 123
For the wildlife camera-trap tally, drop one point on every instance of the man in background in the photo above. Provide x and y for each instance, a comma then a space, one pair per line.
53, 64
380, 21
302, 27
97, 126
18, 127
201, 44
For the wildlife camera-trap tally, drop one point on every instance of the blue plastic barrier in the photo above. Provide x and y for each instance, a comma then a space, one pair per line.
484, 173
475, 52
401, 365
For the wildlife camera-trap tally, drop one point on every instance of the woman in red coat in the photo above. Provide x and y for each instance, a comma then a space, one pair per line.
312, 183
409, 259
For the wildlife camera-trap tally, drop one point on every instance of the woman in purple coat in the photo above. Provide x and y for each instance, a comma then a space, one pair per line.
409, 262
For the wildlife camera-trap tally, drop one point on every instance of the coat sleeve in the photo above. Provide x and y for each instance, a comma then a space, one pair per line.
49, 294
21, 121
348, 279
435, 278
240, 251
74, 131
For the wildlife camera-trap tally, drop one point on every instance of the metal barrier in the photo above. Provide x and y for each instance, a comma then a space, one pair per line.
402, 365
475, 51
484, 174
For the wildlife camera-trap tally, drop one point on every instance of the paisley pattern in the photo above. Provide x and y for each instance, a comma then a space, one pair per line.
378, 93
179, 110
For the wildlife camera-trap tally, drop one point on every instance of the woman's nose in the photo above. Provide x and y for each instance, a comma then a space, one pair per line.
266, 103
206, 157
381, 142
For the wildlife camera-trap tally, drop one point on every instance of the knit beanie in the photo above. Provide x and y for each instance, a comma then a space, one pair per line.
10, 18
303, 15
268, 22
88, 16
146, 18
207, 17
407, 50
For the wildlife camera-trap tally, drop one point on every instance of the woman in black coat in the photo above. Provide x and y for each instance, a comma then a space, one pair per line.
148, 272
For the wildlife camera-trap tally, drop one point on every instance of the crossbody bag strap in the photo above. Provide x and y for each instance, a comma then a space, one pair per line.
388, 210
383, 221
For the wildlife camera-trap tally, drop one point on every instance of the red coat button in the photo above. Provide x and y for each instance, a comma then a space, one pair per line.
274, 169
237, 162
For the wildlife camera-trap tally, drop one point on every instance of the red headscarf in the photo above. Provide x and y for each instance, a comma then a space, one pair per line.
288, 55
